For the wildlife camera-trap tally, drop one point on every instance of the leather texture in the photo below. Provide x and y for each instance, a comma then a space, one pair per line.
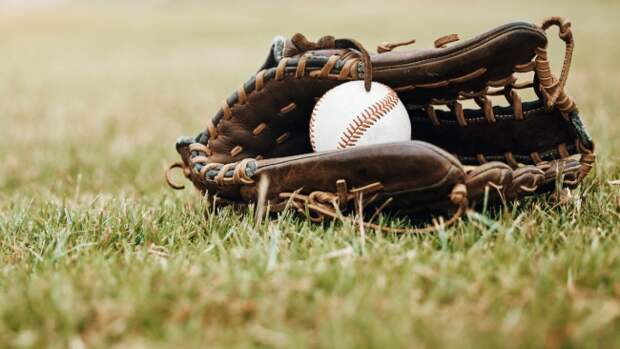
516, 147
423, 179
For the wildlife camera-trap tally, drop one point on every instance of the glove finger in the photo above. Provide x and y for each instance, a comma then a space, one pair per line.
416, 176
525, 181
495, 175
567, 169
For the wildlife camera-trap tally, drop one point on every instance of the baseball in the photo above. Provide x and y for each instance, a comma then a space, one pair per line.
348, 115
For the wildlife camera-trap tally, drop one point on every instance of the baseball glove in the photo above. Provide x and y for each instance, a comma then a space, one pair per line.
457, 154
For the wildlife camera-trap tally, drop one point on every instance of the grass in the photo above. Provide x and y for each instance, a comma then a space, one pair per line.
95, 251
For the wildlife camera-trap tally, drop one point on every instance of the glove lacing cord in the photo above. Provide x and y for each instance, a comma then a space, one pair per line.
328, 42
168, 175
222, 174
553, 89
319, 205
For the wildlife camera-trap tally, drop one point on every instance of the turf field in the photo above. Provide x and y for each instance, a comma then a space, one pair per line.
96, 251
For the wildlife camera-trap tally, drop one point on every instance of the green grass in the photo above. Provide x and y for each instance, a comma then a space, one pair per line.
95, 250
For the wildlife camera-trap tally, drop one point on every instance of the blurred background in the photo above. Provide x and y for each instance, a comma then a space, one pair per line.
95, 93
95, 249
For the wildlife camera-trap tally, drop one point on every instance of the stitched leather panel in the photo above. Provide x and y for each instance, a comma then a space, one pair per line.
414, 173
540, 131
462, 67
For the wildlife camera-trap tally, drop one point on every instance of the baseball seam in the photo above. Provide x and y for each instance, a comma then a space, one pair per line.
366, 119
313, 120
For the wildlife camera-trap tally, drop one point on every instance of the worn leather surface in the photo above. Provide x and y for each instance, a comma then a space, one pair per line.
415, 174
497, 51
540, 131
418, 174
505, 47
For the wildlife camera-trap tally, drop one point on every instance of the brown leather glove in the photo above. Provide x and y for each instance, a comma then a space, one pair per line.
261, 131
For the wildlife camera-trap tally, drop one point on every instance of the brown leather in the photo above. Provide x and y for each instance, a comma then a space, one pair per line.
423, 178
494, 55
521, 148
500, 182
540, 131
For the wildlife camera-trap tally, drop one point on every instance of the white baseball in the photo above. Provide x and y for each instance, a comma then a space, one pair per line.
348, 115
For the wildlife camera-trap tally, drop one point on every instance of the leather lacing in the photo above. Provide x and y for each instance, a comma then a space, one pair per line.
551, 89
319, 205
554, 88
168, 175
329, 42
222, 174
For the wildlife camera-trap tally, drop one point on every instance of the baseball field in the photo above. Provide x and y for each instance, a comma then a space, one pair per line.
96, 251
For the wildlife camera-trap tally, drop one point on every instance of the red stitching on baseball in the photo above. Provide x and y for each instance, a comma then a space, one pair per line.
313, 121
366, 119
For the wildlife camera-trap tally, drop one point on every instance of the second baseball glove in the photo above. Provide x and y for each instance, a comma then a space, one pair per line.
455, 154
